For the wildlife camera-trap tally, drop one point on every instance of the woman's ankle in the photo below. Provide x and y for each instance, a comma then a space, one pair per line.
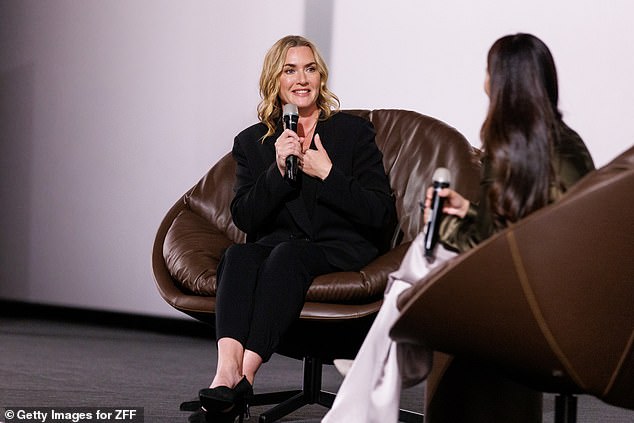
228, 380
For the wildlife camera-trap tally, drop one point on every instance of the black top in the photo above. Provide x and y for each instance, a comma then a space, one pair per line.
342, 214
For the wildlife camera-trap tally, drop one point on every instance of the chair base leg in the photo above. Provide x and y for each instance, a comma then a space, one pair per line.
290, 401
565, 408
294, 403
311, 393
407, 416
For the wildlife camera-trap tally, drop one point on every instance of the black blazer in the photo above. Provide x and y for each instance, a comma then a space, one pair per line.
343, 214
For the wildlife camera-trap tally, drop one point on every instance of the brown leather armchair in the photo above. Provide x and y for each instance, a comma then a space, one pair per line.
340, 307
549, 302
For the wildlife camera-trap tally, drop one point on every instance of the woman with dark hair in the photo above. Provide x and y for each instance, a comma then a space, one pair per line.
296, 230
530, 157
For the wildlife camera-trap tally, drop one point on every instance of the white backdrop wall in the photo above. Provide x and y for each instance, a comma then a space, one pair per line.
110, 110
430, 56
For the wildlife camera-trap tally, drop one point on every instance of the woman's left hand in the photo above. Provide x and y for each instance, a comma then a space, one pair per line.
454, 204
316, 163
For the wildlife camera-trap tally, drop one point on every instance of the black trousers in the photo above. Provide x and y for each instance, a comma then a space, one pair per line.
261, 291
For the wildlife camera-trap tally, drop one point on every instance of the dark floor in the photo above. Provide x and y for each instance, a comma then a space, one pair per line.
50, 362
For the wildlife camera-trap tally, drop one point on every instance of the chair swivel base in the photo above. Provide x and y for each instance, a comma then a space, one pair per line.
565, 408
311, 393
289, 401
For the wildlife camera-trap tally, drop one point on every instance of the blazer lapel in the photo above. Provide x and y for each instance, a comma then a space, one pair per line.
297, 210
297, 206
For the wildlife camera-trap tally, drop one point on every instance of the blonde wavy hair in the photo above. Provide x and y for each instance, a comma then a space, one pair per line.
270, 108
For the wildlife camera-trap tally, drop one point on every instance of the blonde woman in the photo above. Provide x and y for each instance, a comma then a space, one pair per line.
295, 231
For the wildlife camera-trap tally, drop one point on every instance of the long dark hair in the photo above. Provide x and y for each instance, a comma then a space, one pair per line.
521, 127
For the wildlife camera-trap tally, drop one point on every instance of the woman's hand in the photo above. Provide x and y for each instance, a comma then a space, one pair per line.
287, 144
455, 203
316, 163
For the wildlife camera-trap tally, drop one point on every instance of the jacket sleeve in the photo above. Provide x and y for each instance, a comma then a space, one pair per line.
460, 234
258, 194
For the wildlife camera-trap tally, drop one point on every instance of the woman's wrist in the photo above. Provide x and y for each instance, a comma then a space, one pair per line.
326, 172
464, 209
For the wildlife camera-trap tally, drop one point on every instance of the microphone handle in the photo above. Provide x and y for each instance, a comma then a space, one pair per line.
291, 168
290, 121
431, 235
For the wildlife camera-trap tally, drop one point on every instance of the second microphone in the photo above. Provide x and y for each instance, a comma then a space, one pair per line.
441, 179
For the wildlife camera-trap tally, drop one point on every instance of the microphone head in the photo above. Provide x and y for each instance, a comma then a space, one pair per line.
290, 109
442, 175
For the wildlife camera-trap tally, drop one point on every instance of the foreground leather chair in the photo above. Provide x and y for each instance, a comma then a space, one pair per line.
340, 307
549, 302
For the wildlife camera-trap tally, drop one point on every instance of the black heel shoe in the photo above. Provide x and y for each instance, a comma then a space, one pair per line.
199, 416
244, 393
203, 416
224, 404
243, 390
217, 399
239, 410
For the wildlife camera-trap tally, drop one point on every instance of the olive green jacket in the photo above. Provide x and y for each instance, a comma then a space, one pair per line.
571, 162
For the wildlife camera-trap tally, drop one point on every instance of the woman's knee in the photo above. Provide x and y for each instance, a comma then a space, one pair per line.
297, 253
241, 255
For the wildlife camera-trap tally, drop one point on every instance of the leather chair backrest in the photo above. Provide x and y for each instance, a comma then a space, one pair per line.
549, 300
413, 146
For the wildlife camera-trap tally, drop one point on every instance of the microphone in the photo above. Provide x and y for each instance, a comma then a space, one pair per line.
290, 115
441, 179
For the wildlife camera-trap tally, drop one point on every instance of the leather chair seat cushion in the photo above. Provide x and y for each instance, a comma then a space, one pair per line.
193, 248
